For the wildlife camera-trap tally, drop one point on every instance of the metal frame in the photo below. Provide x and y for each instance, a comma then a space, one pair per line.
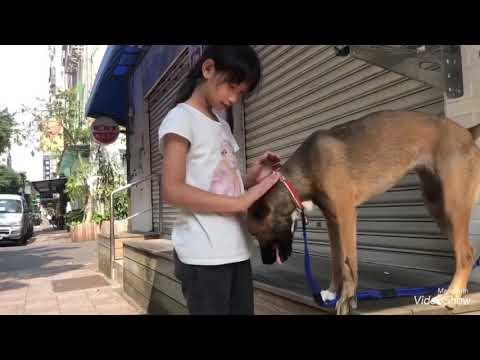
437, 65
112, 217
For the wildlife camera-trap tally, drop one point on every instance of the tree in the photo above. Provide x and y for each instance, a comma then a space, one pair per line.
108, 179
77, 186
60, 120
10, 181
7, 129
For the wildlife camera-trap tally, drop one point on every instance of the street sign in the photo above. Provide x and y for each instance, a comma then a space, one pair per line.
105, 130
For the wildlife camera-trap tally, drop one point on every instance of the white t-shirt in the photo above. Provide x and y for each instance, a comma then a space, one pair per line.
211, 165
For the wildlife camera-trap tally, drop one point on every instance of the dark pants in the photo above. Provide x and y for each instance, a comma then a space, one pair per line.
216, 289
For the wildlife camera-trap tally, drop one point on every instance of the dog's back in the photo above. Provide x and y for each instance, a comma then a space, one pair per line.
391, 120
378, 149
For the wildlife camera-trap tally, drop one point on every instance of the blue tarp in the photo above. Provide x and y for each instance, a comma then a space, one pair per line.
109, 95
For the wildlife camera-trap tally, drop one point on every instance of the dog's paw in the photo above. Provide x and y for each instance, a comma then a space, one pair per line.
345, 305
450, 299
444, 300
348, 300
437, 300
328, 295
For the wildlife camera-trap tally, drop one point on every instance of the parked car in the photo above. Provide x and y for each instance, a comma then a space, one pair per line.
16, 223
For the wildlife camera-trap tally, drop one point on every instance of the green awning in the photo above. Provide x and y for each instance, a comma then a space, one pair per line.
69, 159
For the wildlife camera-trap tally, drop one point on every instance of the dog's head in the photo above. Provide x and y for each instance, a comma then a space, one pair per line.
270, 221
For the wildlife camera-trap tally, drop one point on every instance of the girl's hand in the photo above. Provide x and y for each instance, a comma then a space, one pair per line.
257, 191
253, 194
263, 166
181, 195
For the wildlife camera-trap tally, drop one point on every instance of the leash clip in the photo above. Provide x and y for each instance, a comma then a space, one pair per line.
303, 217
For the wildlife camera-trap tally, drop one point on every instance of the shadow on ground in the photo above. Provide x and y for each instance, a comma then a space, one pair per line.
37, 260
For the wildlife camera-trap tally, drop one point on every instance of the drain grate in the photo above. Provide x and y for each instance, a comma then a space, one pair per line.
80, 283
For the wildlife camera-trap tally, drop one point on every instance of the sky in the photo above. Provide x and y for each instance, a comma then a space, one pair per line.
24, 71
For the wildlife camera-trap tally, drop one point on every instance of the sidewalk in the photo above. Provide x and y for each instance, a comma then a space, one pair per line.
50, 276
42, 295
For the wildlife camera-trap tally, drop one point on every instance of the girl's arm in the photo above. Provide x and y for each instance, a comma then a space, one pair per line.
177, 193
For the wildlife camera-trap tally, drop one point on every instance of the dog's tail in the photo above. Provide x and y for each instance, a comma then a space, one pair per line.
475, 131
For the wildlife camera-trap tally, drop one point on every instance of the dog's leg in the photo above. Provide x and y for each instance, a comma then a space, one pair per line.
458, 201
347, 226
464, 252
336, 262
433, 197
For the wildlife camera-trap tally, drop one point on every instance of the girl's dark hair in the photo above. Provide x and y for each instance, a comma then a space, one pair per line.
238, 63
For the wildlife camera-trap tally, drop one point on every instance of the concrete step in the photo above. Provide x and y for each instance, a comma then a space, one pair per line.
133, 235
149, 279
104, 240
290, 277
118, 271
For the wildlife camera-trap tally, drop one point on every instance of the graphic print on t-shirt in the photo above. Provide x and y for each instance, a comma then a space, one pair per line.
226, 179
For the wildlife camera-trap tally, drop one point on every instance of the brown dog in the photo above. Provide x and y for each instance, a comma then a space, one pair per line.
345, 166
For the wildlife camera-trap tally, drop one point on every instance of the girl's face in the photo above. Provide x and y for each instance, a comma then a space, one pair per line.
221, 94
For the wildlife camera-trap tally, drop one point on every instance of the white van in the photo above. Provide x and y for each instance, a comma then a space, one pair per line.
15, 219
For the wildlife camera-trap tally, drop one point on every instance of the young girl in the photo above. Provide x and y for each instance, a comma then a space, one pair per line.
200, 176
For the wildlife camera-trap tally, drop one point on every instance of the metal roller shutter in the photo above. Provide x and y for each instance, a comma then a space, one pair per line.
160, 101
306, 88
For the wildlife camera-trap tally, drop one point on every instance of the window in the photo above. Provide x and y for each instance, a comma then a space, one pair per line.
10, 206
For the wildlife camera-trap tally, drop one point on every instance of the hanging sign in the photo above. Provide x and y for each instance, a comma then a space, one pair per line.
105, 130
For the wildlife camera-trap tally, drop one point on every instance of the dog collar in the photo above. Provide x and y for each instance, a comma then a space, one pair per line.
292, 192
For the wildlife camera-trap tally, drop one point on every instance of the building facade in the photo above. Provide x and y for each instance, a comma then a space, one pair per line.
49, 167
304, 88
72, 66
